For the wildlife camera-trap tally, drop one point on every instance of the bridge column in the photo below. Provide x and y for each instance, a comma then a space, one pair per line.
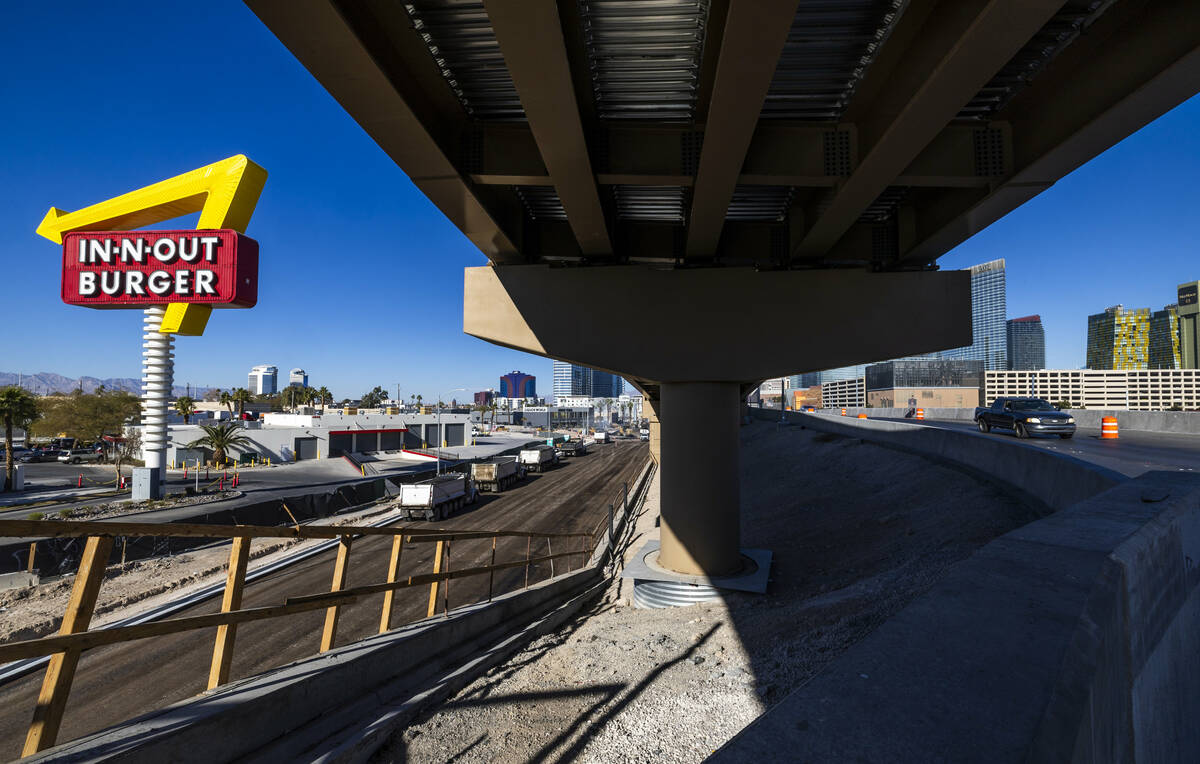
705, 335
650, 408
699, 478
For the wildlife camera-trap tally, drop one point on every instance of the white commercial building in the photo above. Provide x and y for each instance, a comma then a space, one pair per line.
1132, 390
298, 378
264, 380
844, 393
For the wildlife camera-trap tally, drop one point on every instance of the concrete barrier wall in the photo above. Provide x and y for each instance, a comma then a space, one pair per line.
1181, 422
1052, 479
1074, 639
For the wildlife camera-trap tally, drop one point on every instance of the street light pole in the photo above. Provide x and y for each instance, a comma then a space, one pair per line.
441, 434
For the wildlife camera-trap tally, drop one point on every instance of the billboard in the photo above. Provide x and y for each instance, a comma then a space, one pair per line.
128, 269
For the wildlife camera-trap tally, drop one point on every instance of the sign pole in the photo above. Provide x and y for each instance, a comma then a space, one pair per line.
158, 375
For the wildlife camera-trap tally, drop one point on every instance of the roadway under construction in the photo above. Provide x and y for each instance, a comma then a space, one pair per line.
119, 682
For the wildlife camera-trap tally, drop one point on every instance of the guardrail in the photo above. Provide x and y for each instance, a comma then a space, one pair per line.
74, 637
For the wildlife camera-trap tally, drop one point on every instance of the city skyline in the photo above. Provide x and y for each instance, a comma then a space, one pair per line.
317, 208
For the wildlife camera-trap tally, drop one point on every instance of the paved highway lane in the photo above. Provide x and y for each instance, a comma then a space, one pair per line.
122, 681
1131, 454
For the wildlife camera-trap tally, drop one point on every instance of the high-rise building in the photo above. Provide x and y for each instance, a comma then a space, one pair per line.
804, 381
264, 380
484, 397
517, 384
989, 311
1026, 344
1189, 338
605, 385
570, 379
1121, 338
298, 378
1163, 351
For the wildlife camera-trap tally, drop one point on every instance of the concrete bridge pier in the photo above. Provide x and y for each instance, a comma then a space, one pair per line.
695, 341
699, 480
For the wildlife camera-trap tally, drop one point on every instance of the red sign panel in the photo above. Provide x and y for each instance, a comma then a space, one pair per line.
118, 269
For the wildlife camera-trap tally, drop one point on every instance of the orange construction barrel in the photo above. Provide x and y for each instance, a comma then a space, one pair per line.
843, 412
920, 413
1108, 428
862, 416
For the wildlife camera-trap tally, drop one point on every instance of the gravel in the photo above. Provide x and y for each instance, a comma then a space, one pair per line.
857, 532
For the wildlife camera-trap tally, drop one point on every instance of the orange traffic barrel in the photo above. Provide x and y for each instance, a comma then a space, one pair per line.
1108, 428
862, 416
843, 412
920, 413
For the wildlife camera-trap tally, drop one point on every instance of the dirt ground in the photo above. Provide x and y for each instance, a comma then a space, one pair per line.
857, 532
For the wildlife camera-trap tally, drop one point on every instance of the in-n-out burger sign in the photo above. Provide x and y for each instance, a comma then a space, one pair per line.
116, 269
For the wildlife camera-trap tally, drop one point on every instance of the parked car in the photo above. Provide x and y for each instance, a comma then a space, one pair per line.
1025, 417
79, 455
41, 455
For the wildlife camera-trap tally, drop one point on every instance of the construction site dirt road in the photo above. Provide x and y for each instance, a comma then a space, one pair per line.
123, 681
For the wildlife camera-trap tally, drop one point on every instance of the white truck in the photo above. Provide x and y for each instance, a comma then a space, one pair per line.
497, 473
538, 458
438, 497
601, 436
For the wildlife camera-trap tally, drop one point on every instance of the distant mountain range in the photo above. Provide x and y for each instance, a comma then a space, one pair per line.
45, 382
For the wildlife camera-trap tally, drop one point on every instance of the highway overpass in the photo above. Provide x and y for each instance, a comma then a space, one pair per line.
737, 168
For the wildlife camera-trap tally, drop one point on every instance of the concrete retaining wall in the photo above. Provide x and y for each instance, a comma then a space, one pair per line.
1181, 422
1054, 480
1075, 638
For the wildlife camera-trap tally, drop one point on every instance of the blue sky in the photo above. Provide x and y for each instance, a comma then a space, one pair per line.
361, 277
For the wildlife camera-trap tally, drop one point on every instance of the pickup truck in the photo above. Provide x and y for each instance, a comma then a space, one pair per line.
1025, 416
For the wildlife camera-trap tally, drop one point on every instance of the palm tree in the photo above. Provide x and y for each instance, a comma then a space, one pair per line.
418, 401
221, 438
324, 397
186, 407
227, 401
18, 407
290, 397
413, 398
241, 396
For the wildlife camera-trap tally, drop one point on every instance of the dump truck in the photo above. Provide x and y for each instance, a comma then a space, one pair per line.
538, 458
601, 437
497, 473
437, 498
572, 448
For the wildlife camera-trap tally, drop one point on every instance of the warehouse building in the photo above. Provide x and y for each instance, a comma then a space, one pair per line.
296, 437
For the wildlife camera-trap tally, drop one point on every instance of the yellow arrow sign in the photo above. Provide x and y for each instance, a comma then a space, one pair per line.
224, 193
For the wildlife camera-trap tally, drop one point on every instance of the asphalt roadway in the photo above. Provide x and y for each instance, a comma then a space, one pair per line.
120, 682
1131, 454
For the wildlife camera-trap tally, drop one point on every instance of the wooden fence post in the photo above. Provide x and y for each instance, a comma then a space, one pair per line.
528, 543
32, 554
550, 552
235, 583
446, 587
56, 686
492, 573
433, 588
340, 569
385, 619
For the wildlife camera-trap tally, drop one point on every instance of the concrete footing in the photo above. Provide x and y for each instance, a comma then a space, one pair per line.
655, 586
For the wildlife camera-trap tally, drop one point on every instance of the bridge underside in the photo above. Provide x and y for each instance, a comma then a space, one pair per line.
757, 188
